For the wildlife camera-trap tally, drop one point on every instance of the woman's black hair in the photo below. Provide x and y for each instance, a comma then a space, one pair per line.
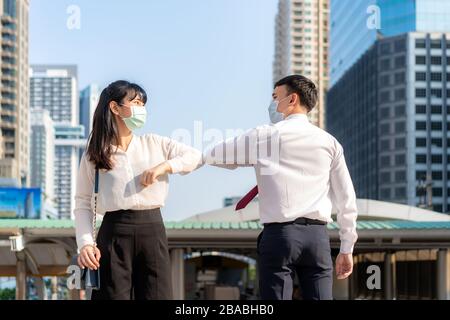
104, 127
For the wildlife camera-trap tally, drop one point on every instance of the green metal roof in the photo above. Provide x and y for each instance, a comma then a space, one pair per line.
252, 225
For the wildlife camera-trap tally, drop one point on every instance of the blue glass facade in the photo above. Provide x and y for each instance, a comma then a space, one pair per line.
350, 36
397, 16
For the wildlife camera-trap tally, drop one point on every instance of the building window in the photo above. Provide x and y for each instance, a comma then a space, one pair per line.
399, 110
436, 76
400, 143
436, 142
399, 78
436, 126
385, 145
436, 44
436, 109
385, 48
400, 62
436, 93
420, 43
421, 60
436, 60
421, 158
399, 45
400, 127
421, 93
385, 161
421, 76
400, 176
421, 109
384, 112
436, 175
385, 64
399, 94
400, 192
385, 128
421, 142
436, 159
385, 96
385, 177
385, 80
421, 125
421, 175
400, 159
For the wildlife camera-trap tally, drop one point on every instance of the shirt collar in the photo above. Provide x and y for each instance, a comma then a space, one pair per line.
299, 116
119, 150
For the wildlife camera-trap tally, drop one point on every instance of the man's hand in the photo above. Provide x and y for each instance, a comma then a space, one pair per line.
344, 265
150, 176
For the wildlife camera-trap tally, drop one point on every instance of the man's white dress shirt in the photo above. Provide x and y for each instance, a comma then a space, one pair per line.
302, 179
120, 188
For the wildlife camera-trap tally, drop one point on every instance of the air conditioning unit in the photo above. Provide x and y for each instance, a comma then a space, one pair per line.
17, 243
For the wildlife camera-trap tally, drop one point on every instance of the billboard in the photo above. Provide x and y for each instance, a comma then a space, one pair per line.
20, 203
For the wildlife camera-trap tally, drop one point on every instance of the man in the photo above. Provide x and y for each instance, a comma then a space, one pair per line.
301, 171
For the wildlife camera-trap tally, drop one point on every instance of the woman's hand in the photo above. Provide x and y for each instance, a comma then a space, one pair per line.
89, 257
150, 176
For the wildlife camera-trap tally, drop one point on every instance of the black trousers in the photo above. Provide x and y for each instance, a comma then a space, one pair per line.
134, 263
288, 249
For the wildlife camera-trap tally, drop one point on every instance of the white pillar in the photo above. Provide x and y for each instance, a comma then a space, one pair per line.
54, 286
177, 268
443, 274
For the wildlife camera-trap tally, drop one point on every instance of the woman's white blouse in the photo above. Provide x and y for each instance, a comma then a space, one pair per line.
120, 188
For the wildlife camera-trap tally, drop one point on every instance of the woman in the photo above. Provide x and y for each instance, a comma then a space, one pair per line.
131, 249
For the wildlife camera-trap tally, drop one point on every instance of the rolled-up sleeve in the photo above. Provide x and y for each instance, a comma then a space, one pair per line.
344, 198
182, 158
83, 212
235, 152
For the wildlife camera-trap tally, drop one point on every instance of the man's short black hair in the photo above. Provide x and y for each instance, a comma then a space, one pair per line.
303, 87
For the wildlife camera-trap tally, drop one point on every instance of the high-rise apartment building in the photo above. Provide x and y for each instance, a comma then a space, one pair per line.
55, 88
14, 122
301, 45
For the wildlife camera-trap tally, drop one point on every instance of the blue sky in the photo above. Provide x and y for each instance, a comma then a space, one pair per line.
199, 60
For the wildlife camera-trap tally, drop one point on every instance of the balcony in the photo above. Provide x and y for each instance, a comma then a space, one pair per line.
8, 100
7, 125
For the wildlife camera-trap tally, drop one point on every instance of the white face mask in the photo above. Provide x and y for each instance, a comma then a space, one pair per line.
274, 115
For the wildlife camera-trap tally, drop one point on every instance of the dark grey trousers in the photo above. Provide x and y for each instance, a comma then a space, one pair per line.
288, 249
134, 263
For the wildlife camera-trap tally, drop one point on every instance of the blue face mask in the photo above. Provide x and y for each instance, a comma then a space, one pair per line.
274, 115
137, 118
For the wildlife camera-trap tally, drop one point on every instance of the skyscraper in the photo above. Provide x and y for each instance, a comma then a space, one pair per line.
301, 45
14, 120
55, 88
42, 151
69, 141
390, 111
388, 101
356, 25
88, 102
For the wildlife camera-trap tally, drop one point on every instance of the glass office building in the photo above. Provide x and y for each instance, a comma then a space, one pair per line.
350, 35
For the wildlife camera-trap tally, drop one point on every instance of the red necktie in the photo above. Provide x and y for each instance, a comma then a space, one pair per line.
247, 199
